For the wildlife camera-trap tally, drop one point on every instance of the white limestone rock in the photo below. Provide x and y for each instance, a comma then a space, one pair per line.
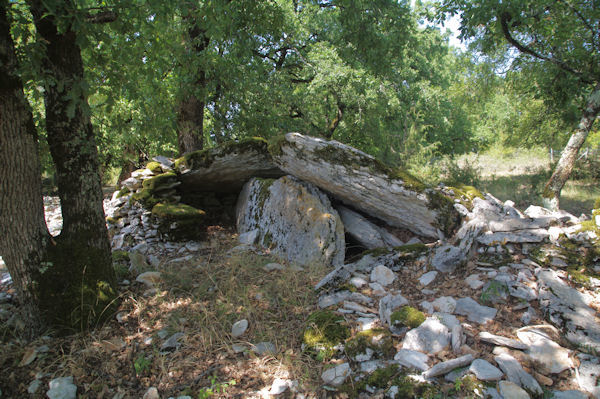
336, 376
485, 371
382, 275
475, 312
430, 337
412, 359
295, 220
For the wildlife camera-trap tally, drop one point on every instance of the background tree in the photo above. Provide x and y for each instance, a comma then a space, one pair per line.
559, 39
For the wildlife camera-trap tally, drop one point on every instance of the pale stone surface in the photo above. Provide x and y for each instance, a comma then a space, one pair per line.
430, 337
295, 220
428, 278
568, 307
151, 393
362, 186
502, 341
62, 388
485, 371
523, 236
447, 366
365, 232
515, 373
249, 237
510, 390
412, 359
474, 282
572, 394
474, 311
264, 348
172, 342
239, 328
388, 304
336, 376
589, 373
150, 279
383, 275
444, 304
550, 356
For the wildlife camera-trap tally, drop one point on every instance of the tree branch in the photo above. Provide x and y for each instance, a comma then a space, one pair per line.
101, 17
505, 19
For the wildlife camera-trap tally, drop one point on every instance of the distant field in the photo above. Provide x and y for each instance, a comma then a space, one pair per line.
519, 175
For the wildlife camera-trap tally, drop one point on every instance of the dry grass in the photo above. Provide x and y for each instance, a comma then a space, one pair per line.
201, 298
519, 175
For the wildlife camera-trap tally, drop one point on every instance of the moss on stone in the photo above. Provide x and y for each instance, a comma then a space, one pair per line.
120, 256
145, 197
112, 220
275, 144
375, 252
156, 182
447, 217
412, 249
377, 339
154, 167
392, 375
175, 212
408, 316
325, 330
204, 158
122, 192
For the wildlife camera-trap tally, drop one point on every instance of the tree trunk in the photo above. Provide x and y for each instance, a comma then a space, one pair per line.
569, 155
24, 232
80, 287
190, 112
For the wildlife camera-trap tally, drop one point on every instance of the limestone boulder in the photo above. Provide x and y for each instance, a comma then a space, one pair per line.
359, 180
294, 219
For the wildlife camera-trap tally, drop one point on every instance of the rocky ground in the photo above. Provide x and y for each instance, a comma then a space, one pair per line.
211, 318
458, 295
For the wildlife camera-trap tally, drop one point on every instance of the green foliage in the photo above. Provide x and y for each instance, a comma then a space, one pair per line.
141, 364
379, 340
325, 330
215, 388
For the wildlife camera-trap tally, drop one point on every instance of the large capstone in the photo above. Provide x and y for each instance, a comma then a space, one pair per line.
294, 219
359, 180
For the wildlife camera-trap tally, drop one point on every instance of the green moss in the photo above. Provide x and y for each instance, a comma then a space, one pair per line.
264, 193
392, 375
158, 181
275, 144
175, 212
122, 192
112, 220
154, 167
378, 339
408, 316
409, 180
597, 204
204, 158
120, 256
447, 217
412, 249
145, 197
324, 331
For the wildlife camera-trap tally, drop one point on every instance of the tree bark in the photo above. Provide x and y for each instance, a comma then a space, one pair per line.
569, 155
24, 232
190, 112
80, 287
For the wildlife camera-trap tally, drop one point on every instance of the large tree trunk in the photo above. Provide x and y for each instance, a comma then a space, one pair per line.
24, 233
80, 285
190, 112
569, 155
